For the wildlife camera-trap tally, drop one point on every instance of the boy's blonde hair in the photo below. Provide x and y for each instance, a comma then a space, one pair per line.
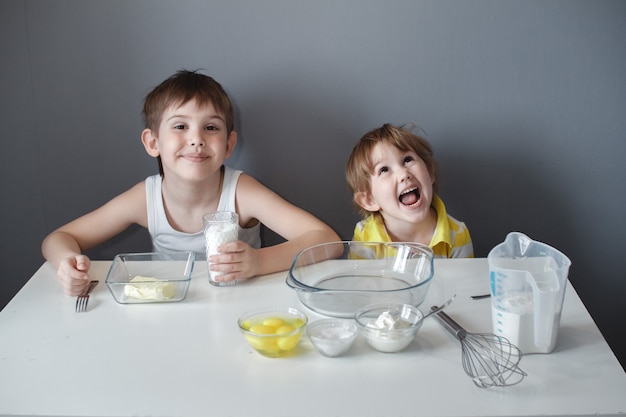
360, 166
177, 90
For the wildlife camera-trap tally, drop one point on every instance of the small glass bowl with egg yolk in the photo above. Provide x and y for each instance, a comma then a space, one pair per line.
273, 333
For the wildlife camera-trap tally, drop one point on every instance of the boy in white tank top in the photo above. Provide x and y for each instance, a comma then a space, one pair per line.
189, 129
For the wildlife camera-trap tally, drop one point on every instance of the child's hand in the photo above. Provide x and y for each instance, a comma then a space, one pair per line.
237, 260
73, 274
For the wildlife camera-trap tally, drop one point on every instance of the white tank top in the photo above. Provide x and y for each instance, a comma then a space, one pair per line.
166, 239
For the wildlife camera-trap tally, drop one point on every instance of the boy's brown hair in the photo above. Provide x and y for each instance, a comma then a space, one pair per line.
177, 90
360, 167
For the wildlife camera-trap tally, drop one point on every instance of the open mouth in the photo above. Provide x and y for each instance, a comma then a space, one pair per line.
410, 197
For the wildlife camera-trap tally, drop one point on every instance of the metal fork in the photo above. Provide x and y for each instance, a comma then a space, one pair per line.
83, 299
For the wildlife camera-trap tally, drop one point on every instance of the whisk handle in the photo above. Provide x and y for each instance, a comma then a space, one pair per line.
450, 325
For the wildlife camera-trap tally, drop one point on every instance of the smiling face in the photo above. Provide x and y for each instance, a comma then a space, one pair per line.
181, 88
401, 186
192, 141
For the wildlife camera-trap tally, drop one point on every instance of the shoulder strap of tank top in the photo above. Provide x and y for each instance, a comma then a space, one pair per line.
229, 189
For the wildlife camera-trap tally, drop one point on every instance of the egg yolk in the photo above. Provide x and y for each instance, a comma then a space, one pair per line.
274, 322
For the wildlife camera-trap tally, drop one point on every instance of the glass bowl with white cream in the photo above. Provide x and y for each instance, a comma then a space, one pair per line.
389, 327
138, 278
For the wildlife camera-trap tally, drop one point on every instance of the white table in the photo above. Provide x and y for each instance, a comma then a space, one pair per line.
189, 359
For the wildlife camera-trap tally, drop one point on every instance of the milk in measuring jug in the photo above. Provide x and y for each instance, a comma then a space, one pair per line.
513, 317
528, 281
526, 302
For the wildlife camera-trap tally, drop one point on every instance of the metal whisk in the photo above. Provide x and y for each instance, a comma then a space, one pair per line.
490, 360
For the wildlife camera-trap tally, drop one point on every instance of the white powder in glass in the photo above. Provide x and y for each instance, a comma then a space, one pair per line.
332, 341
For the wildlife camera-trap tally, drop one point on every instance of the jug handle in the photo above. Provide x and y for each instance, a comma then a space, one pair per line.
544, 308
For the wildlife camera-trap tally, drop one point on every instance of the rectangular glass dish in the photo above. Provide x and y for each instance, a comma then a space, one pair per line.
139, 278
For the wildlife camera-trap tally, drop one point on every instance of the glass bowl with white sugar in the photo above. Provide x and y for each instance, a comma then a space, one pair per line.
332, 337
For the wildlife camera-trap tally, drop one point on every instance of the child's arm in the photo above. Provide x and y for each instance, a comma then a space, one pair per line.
64, 246
300, 229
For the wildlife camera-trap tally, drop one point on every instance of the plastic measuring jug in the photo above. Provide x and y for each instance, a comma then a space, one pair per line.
528, 281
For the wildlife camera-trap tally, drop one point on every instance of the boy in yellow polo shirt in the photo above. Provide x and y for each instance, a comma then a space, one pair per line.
393, 178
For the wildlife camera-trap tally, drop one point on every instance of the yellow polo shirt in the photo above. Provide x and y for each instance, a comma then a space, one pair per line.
450, 240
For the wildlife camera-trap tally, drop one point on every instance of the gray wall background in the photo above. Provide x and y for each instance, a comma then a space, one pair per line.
523, 101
